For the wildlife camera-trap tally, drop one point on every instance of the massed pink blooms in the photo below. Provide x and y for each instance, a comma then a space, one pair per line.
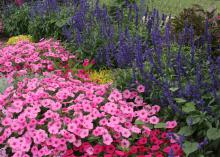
40, 114
44, 113
25, 58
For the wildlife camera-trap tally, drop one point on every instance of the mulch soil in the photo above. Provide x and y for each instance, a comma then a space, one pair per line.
3, 40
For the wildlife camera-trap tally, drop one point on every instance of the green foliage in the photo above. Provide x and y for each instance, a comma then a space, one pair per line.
190, 147
180, 100
193, 119
16, 20
189, 107
139, 122
213, 133
36, 29
196, 126
48, 26
160, 125
3, 84
44, 28
174, 7
122, 78
186, 131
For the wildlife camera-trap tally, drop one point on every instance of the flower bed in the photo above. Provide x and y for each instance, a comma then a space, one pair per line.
47, 114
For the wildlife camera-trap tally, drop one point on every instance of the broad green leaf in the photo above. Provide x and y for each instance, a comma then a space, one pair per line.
174, 89
150, 126
139, 122
193, 119
93, 138
60, 23
160, 125
189, 107
186, 131
213, 133
208, 123
190, 147
180, 100
211, 102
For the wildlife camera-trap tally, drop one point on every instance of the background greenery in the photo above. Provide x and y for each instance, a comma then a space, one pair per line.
172, 6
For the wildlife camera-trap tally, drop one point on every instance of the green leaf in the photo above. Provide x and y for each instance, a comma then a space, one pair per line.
180, 100
88, 67
193, 119
93, 138
208, 123
189, 107
190, 147
174, 89
186, 131
60, 23
160, 125
134, 137
150, 126
139, 122
217, 123
213, 133
3, 84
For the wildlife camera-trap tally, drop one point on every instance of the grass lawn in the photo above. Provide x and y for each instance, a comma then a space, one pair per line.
174, 6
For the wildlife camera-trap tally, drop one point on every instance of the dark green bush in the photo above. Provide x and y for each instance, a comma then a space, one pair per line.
196, 17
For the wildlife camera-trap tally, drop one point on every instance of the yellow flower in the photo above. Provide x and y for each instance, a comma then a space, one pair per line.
101, 77
15, 39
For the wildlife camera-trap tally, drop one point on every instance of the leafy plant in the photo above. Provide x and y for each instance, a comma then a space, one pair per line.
15, 39
101, 76
196, 17
199, 129
16, 20
3, 84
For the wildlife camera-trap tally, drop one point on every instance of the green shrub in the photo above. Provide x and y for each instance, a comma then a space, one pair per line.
49, 25
16, 20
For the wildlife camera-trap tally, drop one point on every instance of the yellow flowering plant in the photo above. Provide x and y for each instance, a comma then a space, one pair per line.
101, 77
15, 39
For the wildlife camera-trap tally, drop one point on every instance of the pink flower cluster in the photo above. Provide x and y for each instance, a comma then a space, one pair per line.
44, 116
32, 58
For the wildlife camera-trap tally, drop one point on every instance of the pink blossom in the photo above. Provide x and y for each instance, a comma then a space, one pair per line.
107, 139
154, 120
126, 94
171, 124
140, 88
126, 133
125, 143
